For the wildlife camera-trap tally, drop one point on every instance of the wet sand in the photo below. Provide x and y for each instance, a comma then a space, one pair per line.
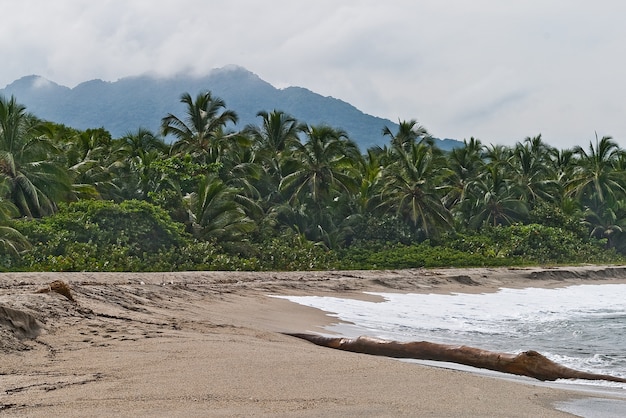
210, 344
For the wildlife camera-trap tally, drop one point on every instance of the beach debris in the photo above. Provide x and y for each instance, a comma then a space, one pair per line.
59, 287
528, 363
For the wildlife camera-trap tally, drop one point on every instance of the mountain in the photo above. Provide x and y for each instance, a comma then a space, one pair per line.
125, 105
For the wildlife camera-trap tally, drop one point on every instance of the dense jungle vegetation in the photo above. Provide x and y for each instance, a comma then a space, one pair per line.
284, 195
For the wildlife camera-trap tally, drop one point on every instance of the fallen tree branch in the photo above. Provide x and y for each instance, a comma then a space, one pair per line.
528, 363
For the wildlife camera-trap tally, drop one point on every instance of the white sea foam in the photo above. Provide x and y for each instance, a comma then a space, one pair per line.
582, 327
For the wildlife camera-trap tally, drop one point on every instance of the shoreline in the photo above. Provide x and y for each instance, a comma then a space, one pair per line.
209, 343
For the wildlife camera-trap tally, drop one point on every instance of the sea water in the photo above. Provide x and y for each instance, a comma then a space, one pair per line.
582, 327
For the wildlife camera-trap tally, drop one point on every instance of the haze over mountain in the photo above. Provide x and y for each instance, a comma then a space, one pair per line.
125, 105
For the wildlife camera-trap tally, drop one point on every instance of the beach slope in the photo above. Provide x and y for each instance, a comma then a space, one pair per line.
210, 344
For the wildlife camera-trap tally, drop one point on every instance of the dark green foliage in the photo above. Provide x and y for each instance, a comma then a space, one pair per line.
205, 255
553, 216
101, 235
544, 244
534, 244
382, 229
291, 196
514, 245
292, 252
399, 256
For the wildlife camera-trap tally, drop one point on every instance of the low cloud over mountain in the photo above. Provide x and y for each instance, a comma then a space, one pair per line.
129, 103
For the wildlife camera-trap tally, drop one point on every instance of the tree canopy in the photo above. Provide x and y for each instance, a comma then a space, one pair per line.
203, 194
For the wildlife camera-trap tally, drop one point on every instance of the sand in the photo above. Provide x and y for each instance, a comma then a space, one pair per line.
210, 344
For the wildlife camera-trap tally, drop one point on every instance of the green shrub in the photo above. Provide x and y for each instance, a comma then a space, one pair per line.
292, 252
553, 245
203, 255
399, 256
386, 228
534, 244
101, 236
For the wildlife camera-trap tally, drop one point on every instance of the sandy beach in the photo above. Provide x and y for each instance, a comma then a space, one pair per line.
211, 344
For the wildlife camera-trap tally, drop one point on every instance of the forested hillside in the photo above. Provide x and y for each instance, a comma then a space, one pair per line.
132, 102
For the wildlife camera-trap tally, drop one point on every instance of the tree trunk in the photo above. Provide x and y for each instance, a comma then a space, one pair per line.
528, 363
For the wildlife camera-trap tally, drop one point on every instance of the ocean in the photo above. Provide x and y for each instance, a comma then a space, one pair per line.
582, 326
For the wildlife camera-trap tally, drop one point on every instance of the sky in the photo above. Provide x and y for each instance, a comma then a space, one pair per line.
496, 70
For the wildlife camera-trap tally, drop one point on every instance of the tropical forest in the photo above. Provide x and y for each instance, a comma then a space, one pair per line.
206, 194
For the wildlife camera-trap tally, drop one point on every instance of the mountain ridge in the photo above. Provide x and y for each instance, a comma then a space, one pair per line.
132, 102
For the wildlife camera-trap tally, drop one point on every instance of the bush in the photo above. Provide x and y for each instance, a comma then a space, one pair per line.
535, 244
551, 245
292, 252
386, 228
138, 236
203, 255
399, 256
102, 236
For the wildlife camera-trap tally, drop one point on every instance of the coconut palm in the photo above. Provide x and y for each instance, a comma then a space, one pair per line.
411, 188
91, 162
11, 241
607, 222
564, 162
135, 156
135, 144
200, 131
320, 179
465, 164
278, 132
273, 143
214, 212
534, 172
409, 133
494, 199
326, 166
370, 178
595, 176
36, 182
498, 155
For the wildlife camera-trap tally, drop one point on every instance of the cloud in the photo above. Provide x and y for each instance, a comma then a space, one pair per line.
497, 70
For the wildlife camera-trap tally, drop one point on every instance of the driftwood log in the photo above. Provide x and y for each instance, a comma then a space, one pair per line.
528, 363
59, 287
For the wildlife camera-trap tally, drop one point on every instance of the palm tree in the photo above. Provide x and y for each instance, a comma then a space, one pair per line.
533, 171
11, 241
199, 132
498, 155
320, 179
607, 222
273, 143
494, 199
371, 170
326, 166
36, 182
409, 133
598, 185
136, 153
411, 188
465, 164
214, 212
278, 132
595, 176
564, 163
135, 144
91, 162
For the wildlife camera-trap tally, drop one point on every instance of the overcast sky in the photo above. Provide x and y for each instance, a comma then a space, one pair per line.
497, 70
